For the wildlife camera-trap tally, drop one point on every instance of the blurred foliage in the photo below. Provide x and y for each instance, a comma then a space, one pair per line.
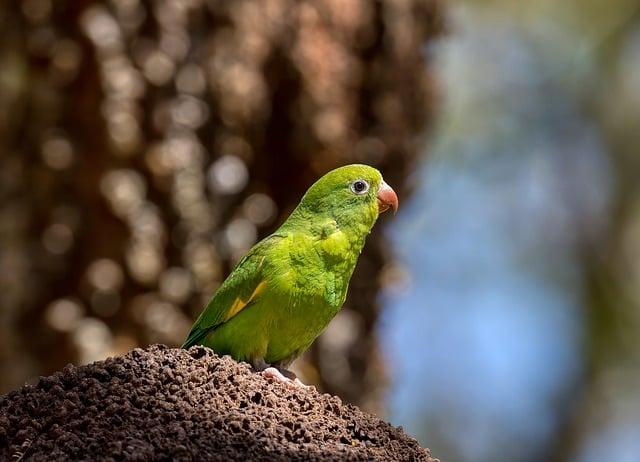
146, 145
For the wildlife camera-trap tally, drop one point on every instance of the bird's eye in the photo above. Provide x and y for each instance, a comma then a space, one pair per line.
360, 187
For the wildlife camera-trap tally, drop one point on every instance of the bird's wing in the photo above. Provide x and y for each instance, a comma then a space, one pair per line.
241, 289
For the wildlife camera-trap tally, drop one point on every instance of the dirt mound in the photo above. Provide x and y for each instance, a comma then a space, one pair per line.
171, 404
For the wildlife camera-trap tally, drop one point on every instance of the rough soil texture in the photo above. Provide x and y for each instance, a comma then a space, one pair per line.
171, 404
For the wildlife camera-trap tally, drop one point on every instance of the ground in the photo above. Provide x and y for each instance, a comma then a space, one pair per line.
171, 404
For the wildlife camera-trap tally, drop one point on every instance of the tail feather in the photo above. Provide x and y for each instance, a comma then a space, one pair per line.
195, 337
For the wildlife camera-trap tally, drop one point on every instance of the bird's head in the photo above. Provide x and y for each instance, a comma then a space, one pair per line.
353, 194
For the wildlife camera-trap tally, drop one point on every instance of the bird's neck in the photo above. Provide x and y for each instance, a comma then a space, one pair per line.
349, 232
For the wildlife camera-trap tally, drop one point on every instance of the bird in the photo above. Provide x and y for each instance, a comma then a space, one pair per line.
284, 292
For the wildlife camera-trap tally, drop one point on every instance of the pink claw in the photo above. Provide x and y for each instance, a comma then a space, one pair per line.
273, 373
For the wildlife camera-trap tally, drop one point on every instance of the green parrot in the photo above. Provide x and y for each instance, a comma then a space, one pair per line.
286, 289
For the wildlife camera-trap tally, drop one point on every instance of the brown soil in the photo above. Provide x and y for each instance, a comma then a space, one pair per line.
171, 404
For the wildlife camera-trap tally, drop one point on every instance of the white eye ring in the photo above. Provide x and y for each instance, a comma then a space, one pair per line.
359, 187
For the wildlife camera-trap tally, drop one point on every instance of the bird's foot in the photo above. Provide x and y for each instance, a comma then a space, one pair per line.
279, 374
289, 379
273, 373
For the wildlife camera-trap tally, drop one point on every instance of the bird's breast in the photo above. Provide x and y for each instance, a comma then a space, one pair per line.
316, 271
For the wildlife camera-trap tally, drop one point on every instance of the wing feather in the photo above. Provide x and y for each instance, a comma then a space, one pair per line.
241, 289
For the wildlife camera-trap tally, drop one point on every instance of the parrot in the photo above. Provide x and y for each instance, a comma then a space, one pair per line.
282, 294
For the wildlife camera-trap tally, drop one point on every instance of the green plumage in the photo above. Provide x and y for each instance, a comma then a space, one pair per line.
284, 292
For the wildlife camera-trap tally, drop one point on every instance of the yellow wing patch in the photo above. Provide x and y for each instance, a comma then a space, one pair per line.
239, 304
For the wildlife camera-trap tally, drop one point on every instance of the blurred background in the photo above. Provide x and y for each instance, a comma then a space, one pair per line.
146, 145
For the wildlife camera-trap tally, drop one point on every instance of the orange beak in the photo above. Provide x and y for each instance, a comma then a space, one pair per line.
387, 198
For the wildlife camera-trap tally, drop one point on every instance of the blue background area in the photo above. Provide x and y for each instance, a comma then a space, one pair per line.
485, 337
